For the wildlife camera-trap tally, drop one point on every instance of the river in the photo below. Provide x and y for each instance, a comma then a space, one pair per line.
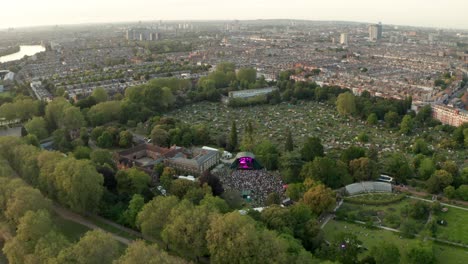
28, 50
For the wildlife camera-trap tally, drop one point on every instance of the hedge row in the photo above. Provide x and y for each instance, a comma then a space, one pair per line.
363, 200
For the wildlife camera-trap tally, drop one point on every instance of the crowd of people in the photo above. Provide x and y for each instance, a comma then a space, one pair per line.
258, 183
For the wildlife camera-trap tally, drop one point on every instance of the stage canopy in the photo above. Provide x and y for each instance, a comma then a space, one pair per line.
246, 161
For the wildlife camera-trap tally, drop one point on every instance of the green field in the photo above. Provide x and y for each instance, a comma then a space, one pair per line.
387, 215
71, 230
6, 94
370, 237
457, 225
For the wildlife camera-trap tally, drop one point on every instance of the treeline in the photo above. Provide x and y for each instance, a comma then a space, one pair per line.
77, 184
31, 235
225, 79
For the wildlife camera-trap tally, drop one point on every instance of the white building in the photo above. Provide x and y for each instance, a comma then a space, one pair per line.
251, 92
344, 39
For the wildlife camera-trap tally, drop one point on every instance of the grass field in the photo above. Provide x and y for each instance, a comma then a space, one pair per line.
112, 229
457, 225
6, 94
370, 237
71, 230
389, 215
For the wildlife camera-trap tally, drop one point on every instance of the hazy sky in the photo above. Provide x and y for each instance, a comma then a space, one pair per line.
434, 13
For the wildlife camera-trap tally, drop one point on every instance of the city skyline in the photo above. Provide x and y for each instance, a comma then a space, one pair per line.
449, 14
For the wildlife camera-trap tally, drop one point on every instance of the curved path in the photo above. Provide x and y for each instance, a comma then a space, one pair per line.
74, 217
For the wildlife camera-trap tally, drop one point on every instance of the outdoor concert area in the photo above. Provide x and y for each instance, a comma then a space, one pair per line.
253, 182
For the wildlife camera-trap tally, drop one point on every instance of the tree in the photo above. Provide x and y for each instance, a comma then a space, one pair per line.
167, 177
105, 140
267, 154
426, 168
449, 192
346, 104
295, 191
420, 146
312, 148
419, 210
385, 253
38, 127
82, 152
125, 139
71, 119
438, 181
397, 165
49, 246
289, 145
213, 181
462, 192
372, 119
134, 207
423, 253
132, 181
248, 75
214, 204
181, 187
319, 199
406, 125
248, 140
54, 111
351, 153
153, 217
23, 200
95, 247
78, 184
290, 166
101, 157
326, 170
31, 228
346, 248
160, 137
100, 95
235, 238
104, 112
186, 231
273, 198
391, 119
364, 169
140, 252
232, 143
409, 228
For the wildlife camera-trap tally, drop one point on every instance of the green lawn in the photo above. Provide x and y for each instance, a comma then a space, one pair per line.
370, 237
457, 225
71, 230
376, 212
6, 94
112, 229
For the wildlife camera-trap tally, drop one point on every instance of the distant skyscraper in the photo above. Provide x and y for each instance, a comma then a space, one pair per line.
375, 32
344, 39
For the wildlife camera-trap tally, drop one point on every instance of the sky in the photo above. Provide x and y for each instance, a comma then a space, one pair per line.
430, 13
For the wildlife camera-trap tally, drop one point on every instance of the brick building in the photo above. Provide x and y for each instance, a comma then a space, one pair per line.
449, 116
